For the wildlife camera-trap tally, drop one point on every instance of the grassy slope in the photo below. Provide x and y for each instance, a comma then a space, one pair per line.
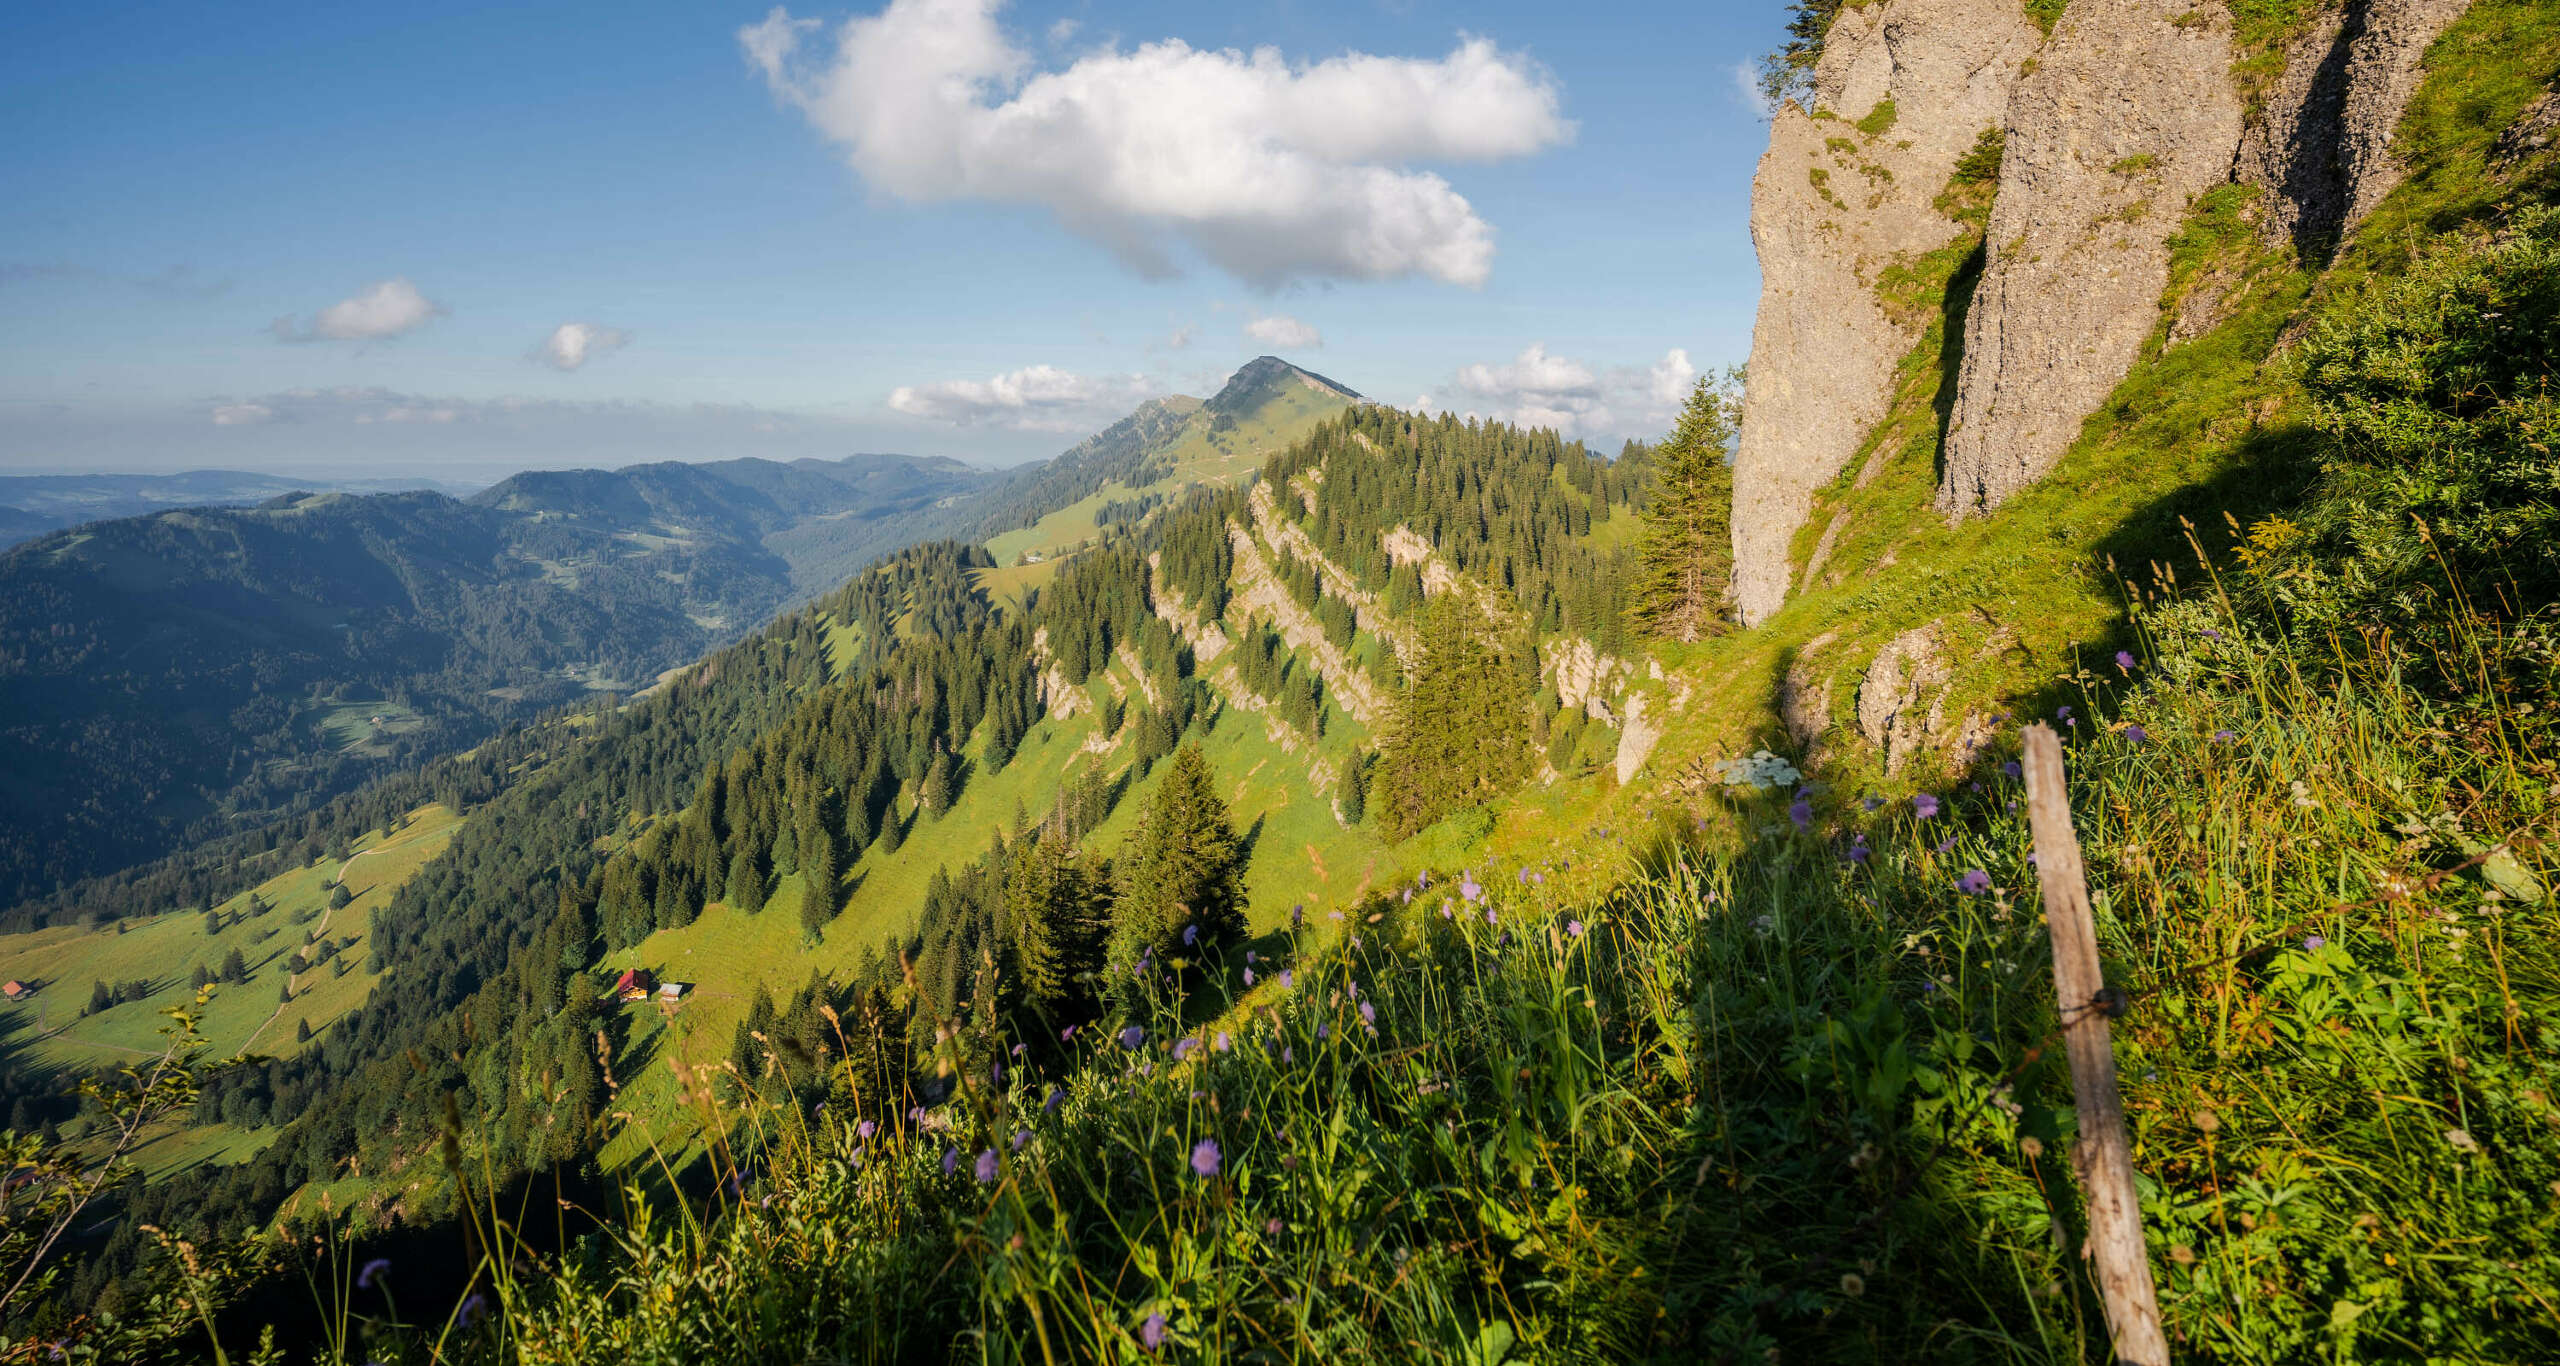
163, 949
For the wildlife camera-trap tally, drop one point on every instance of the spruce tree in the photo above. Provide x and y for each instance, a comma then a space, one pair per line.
818, 897
745, 891
1462, 725
938, 783
1684, 555
1187, 866
235, 969
1055, 911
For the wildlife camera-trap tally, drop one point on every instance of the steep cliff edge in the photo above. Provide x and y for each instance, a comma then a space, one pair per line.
1845, 192
2129, 114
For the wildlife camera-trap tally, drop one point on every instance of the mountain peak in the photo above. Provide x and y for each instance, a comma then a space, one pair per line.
1265, 376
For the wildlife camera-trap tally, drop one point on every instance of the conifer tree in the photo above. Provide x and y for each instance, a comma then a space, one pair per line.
937, 791
1684, 556
818, 896
1461, 728
1056, 912
1186, 866
745, 891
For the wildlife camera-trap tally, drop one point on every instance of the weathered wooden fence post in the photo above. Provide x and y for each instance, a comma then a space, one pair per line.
2104, 1156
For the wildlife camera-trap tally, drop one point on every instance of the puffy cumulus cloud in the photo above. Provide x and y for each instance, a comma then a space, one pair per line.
1747, 89
387, 309
1271, 170
1283, 331
571, 345
242, 414
1035, 398
1540, 389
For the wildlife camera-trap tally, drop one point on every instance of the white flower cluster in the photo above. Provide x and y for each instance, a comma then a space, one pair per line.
1761, 772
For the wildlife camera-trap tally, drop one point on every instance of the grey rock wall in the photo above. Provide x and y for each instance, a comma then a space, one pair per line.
1832, 207
2129, 114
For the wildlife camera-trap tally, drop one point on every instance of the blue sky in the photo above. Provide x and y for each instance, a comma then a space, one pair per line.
455, 240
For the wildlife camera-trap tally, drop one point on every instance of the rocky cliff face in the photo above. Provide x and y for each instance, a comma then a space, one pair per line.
2129, 114
2323, 149
2113, 125
1902, 92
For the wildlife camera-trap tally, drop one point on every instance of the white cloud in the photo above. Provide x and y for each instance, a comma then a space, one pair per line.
1538, 389
1180, 338
242, 414
1283, 331
1035, 398
1746, 87
571, 345
388, 309
1271, 170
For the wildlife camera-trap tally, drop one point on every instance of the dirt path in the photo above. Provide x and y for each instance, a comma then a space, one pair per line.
326, 911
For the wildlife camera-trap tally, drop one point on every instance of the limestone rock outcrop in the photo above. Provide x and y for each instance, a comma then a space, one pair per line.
2129, 114
1903, 90
1902, 701
2323, 149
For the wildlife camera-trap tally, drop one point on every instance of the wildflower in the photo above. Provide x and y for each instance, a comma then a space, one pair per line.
950, 1161
2124, 660
2462, 1140
1323, 1031
1204, 1157
1222, 1043
1248, 977
1131, 1037
1408, 896
2137, 734
1871, 802
2062, 713
1801, 812
1298, 916
1858, 850
373, 1271
1057, 1097
2312, 943
1152, 1332
1190, 935
1947, 844
1852, 1284
2210, 634
1020, 1137
1288, 979
1975, 882
1369, 1016
1924, 805
1573, 929
1183, 1048
1272, 1228
471, 1311
1469, 888
2011, 769
987, 1166
865, 1130
1068, 1033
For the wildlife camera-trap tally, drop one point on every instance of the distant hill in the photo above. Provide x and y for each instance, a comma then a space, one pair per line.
165, 675
1145, 458
31, 505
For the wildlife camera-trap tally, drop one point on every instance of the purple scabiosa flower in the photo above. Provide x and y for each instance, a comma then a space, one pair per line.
1182, 1048
1369, 1016
1020, 1137
1573, 929
2210, 634
1288, 979
373, 1271
988, 1165
1131, 1037
2224, 737
1471, 889
1068, 1033
1408, 896
1205, 1157
2011, 770
1248, 977
1423, 878
950, 1161
1946, 845
1858, 851
1271, 1228
1801, 812
1537, 879
2124, 660
1057, 1097
1924, 805
1190, 935
1975, 882
995, 1075
1298, 915
1870, 802
1222, 1043
1446, 913
915, 1114
1151, 1333
865, 1130
2312, 943
472, 1311
1323, 1031
2137, 734
1288, 1057
1524, 877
